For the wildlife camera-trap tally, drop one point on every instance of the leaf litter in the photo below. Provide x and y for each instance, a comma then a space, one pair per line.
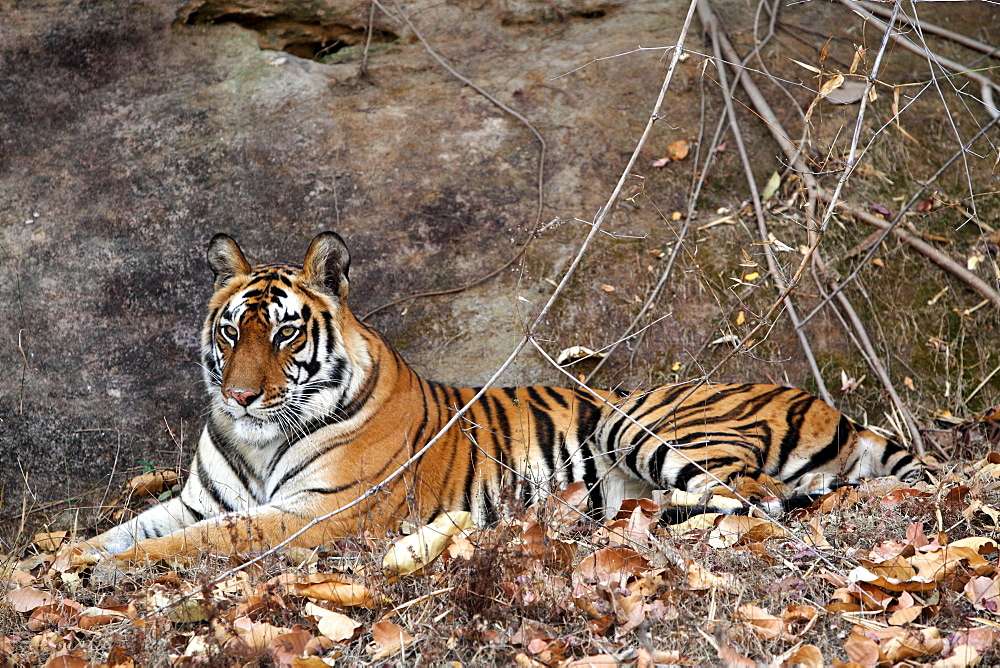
879, 574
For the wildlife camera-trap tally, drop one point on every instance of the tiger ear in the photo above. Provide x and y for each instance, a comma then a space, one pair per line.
226, 260
327, 263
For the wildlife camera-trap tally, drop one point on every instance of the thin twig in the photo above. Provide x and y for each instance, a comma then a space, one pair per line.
947, 63
933, 254
772, 263
462, 288
892, 225
363, 70
964, 40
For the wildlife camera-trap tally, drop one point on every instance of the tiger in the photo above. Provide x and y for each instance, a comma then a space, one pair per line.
313, 414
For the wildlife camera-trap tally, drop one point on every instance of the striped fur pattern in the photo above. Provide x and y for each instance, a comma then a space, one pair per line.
312, 409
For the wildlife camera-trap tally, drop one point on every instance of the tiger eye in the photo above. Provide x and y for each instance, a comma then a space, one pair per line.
288, 331
230, 331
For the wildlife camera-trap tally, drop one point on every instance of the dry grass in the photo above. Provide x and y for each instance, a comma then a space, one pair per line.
527, 591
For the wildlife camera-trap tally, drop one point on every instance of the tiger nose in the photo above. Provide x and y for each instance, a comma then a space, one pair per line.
241, 397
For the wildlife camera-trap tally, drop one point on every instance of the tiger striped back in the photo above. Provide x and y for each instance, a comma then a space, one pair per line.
313, 413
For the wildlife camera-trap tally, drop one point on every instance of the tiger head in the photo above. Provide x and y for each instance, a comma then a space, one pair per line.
277, 349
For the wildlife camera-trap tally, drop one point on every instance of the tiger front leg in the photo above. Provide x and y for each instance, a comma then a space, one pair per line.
232, 533
160, 520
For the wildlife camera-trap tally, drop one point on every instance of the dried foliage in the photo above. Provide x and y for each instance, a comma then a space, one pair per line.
874, 575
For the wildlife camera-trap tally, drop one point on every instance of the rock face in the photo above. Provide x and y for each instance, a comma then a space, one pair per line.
131, 132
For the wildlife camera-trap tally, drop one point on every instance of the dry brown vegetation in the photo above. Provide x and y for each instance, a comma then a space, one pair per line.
881, 574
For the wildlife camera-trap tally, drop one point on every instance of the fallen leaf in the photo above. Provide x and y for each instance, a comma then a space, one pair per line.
804, 656
733, 659
336, 626
763, 623
879, 209
93, 616
595, 660
73, 659
678, 150
963, 656
984, 593
701, 578
742, 529
773, 183
611, 566
26, 599
899, 644
50, 541
338, 589
387, 639
862, 650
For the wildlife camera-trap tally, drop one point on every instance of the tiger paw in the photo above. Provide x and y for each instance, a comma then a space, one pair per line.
817, 484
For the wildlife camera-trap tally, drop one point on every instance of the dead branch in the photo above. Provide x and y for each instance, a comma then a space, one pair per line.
772, 263
933, 254
892, 225
794, 156
959, 38
946, 63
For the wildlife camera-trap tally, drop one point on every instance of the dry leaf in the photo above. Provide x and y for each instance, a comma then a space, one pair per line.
73, 659
91, 617
388, 639
859, 55
741, 529
26, 599
577, 353
808, 67
596, 660
701, 578
733, 659
905, 615
963, 656
336, 626
763, 623
192, 609
262, 634
804, 656
984, 593
678, 150
862, 650
831, 84
50, 541
899, 644
611, 566
338, 589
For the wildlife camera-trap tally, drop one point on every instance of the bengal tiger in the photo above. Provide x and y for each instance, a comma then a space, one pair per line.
311, 410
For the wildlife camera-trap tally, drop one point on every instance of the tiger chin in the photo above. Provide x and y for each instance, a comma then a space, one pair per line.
313, 414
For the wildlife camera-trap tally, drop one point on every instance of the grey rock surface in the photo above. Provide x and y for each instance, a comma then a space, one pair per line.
131, 132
